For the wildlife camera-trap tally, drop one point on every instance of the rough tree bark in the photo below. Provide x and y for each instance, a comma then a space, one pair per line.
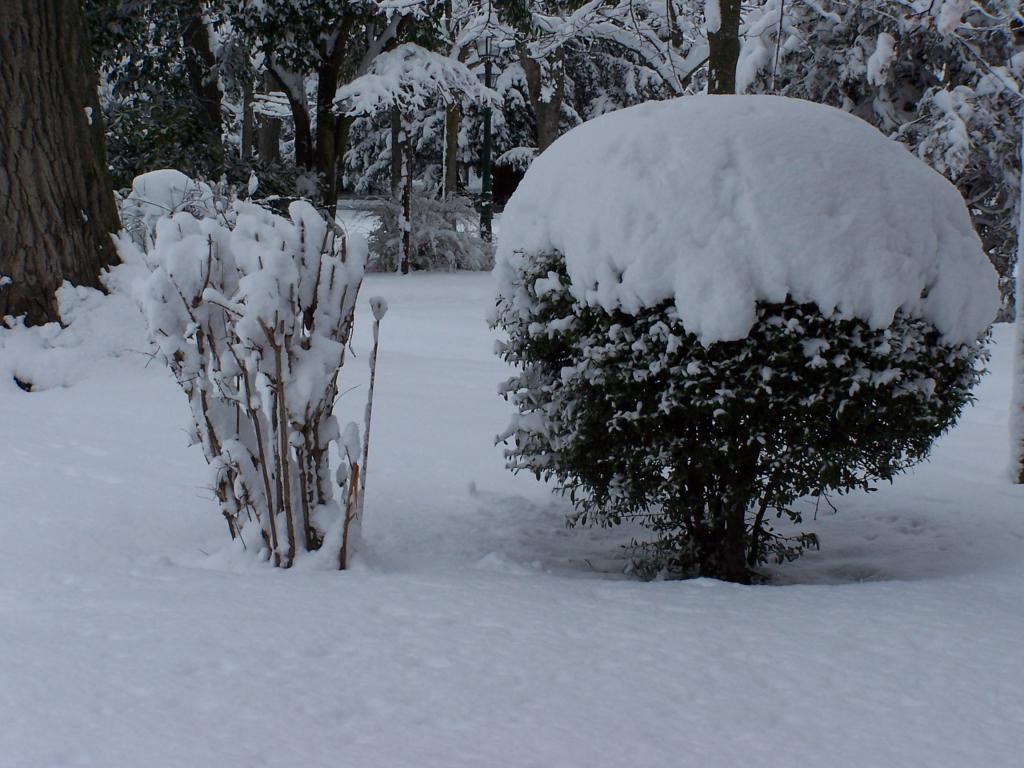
723, 44
56, 206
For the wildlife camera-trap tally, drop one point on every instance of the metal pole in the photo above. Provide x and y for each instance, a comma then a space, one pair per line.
485, 159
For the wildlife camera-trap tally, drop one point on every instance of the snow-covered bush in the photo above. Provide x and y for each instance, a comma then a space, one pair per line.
445, 236
746, 301
253, 312
158, 195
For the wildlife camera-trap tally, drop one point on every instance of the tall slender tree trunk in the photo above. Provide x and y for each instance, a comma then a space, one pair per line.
450, 184
331, 129
396, 152
248, 121
201, 66
56, 205
328, 136
291, 85
407, 204
451, 150
723, 44
1017, 406
268, 135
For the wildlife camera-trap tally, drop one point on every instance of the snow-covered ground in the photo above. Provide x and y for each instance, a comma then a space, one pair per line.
477, 631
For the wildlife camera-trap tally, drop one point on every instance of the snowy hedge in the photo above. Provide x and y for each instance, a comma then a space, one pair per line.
252, 312
719, 305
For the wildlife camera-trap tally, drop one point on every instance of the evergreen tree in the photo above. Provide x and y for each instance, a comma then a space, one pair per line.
162, 91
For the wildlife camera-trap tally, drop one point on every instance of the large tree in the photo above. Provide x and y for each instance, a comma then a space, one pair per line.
56, 206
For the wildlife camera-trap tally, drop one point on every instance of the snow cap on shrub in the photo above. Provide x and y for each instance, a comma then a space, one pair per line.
720, 202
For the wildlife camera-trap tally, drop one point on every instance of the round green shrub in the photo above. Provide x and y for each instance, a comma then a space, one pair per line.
633, 418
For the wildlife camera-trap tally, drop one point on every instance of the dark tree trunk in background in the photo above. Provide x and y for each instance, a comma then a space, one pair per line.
450, 182
396, 152
56, 205
407, 204
724, 48
331, 130
268, 135
201, 65
304, 154
546, 102
451, 151
248, 121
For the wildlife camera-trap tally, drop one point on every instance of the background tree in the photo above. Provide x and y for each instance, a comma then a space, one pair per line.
722, 20
940, 76
56, 205
162, 92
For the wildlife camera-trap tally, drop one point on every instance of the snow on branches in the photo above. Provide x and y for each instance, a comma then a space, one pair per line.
252, 312
410, 77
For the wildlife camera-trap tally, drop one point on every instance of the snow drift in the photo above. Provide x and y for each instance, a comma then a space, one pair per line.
720, 202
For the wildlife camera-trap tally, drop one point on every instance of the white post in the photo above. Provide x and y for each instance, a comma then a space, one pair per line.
379, 307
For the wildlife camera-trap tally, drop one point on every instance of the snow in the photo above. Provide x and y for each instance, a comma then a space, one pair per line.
719, 202
478, 630
410, 77
950, 14
158, 194
881, 59
712, 16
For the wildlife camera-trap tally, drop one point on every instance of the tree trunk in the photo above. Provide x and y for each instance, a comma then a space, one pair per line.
248, 121
450, 182
724, 46
1017, 406
268, 135
201, 66
451, 151
546, 101
736, 547
407, 145
293, 90
331, 129
396, 152
56, 206
328, 135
